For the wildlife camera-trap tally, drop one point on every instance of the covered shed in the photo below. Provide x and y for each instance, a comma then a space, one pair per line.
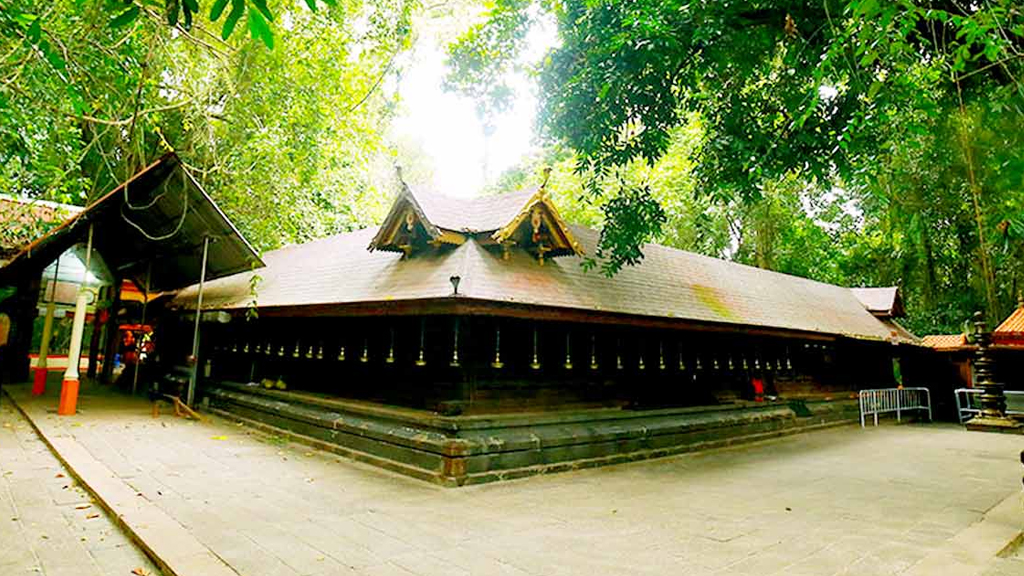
159, 229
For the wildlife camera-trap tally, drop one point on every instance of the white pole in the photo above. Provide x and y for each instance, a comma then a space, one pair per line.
195, 331
69, 388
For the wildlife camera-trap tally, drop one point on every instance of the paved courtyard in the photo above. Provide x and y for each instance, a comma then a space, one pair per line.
842, 501
48, 524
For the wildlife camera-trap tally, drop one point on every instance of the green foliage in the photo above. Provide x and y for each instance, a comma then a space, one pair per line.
181, 13
479, 60
902, 118
289, 142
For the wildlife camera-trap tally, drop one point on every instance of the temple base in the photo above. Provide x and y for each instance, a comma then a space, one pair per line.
68, 404
39, 381
473, 449
1002, 425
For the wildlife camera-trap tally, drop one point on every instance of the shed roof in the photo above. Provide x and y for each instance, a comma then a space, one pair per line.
898, 333
159, 215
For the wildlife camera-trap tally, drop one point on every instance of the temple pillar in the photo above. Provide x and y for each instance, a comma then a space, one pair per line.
41, 371
69, 388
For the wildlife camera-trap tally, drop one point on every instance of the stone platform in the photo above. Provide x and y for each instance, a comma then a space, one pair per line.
473, 449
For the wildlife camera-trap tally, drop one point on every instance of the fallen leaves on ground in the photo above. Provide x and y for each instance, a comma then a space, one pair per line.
139, 572
91, 516
219, 437
83, 506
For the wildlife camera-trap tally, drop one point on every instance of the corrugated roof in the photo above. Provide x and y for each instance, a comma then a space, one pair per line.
669, 283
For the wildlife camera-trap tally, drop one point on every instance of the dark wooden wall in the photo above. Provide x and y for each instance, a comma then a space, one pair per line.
667, 376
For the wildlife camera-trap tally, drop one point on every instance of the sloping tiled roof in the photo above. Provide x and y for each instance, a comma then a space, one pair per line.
1011, 331
945, 341
883, 301
900, 334
669, 283
23, 220
1014, 324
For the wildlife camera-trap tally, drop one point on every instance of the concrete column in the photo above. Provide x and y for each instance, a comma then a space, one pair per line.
69, 388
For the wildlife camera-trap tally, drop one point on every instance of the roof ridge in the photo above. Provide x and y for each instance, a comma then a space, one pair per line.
321, 239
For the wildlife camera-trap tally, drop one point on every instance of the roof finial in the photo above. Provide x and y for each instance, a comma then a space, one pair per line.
398, 172
547, 175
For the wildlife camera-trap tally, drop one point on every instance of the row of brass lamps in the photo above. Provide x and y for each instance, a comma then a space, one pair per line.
317, 352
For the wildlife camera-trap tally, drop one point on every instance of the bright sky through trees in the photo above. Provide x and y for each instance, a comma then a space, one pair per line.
444, 126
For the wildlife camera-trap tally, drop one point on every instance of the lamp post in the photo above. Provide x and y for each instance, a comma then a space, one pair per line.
992, 416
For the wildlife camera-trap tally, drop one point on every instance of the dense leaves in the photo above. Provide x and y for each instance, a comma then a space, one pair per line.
888, 109
289, 141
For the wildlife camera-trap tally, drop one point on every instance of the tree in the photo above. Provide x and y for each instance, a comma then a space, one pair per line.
289, 140
783, 87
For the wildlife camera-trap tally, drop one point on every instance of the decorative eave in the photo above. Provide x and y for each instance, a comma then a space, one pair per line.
566, 243
404, 204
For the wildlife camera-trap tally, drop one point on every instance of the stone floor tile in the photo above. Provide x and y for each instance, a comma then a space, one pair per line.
831, 502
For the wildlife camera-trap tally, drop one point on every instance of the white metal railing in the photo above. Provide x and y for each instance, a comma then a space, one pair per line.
898, 400
967, 403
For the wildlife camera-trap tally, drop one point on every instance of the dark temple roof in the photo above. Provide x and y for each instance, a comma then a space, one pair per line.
481, 214
884, 302
668, 284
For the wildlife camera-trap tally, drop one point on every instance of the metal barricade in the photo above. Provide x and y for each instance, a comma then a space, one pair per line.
898, 400
967, 402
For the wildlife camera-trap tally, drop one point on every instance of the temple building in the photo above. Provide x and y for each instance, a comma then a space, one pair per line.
462, 341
